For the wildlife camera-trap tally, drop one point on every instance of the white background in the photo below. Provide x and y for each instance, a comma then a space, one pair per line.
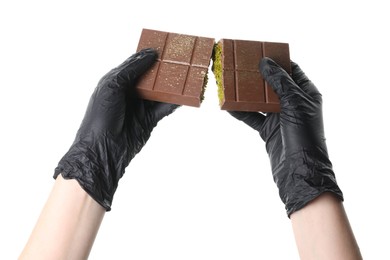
202, 187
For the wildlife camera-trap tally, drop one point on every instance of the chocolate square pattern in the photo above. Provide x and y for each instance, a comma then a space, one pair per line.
180, 74
240, 84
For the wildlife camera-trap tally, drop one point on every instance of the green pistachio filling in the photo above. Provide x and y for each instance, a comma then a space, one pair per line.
217, 70
205, 80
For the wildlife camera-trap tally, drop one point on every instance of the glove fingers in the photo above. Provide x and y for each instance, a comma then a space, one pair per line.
303, 81
253, 119
160, 109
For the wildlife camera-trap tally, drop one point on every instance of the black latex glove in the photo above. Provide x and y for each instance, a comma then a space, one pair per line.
295, 140
114, 129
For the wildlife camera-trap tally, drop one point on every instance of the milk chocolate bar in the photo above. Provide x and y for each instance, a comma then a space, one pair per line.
180, 74
240, 84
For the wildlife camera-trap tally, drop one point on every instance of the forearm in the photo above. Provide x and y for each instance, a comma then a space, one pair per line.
67, 226
322, 231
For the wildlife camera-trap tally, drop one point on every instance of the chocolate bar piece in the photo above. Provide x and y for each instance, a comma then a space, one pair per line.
180, 74
240, 84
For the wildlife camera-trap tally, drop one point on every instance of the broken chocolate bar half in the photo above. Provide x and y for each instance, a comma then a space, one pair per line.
240, 84
180, 74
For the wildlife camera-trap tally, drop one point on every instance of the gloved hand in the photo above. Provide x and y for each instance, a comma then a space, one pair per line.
115, 127
295, 140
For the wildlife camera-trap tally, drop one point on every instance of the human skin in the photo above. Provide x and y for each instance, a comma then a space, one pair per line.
67, 225
322, 230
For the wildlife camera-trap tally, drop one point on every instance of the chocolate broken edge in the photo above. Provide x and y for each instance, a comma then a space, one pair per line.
277, 51
148, 83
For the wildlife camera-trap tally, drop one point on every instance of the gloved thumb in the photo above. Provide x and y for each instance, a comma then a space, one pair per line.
304, 82
135, 66
276, 76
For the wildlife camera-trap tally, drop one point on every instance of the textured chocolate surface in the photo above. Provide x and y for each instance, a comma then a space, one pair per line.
180, 73
242, 88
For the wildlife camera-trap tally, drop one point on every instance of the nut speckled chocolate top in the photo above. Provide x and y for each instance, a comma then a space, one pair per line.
180, 74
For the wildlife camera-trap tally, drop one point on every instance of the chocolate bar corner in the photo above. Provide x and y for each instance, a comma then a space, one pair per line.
179, 75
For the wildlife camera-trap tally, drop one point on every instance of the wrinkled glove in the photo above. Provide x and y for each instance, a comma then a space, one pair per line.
115, 127
295, 140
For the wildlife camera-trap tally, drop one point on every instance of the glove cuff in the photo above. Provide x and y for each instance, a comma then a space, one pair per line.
308, 177
97, 179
